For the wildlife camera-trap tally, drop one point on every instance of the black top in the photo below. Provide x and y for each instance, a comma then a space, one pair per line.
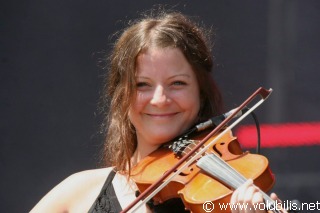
107, 201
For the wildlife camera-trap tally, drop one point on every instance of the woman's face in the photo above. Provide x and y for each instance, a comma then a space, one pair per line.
167, 98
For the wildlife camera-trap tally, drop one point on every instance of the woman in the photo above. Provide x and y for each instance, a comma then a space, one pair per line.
159, 85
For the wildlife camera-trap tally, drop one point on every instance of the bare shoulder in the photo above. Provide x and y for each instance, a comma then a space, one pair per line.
87, 176
79, 190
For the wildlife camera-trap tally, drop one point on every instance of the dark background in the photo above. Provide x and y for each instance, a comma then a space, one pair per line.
51, 79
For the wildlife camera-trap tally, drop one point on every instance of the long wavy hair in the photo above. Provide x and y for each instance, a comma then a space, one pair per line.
165, 29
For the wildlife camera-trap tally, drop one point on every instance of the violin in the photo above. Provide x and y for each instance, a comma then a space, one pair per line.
203, 166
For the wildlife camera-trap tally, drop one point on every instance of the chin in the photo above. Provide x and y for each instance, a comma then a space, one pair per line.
160, 139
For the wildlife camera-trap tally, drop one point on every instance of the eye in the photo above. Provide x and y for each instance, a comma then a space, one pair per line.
179, 83
141, 84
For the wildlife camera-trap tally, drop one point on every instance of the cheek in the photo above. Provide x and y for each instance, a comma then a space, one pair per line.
137, 105
194, 97
190, 102
140, 101
196, 106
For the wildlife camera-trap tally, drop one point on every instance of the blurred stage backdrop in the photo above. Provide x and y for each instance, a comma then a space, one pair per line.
51, 79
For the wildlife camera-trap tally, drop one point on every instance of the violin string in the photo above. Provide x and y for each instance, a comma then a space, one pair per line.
215, 166
230, 176
227, 173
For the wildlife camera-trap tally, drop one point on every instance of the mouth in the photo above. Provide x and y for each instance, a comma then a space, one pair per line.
162, 115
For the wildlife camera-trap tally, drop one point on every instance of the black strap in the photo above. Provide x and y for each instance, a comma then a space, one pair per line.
107, 201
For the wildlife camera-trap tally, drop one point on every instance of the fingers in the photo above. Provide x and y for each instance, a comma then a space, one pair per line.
274, 196
278, 202
247, 199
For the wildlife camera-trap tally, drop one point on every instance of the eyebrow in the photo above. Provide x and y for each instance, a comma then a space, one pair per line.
177, 75
182, 74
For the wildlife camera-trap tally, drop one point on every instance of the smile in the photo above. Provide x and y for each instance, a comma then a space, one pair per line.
164, 115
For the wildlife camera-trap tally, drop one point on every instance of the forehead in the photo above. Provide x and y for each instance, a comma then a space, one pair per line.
162, 59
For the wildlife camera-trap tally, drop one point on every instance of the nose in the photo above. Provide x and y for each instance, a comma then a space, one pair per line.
159, 97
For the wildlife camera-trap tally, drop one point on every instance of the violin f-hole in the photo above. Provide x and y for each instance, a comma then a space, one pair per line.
186, 172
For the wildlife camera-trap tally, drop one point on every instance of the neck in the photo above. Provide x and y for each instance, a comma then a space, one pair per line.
141, 152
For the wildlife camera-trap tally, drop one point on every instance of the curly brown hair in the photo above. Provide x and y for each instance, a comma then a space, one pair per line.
165, 29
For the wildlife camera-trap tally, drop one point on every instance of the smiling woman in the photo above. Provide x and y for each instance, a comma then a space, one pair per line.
159, 84
144, 56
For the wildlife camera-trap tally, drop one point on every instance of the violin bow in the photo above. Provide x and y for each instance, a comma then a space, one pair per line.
156, 187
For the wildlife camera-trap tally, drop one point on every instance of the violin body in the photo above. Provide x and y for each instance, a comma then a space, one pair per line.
194, 186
